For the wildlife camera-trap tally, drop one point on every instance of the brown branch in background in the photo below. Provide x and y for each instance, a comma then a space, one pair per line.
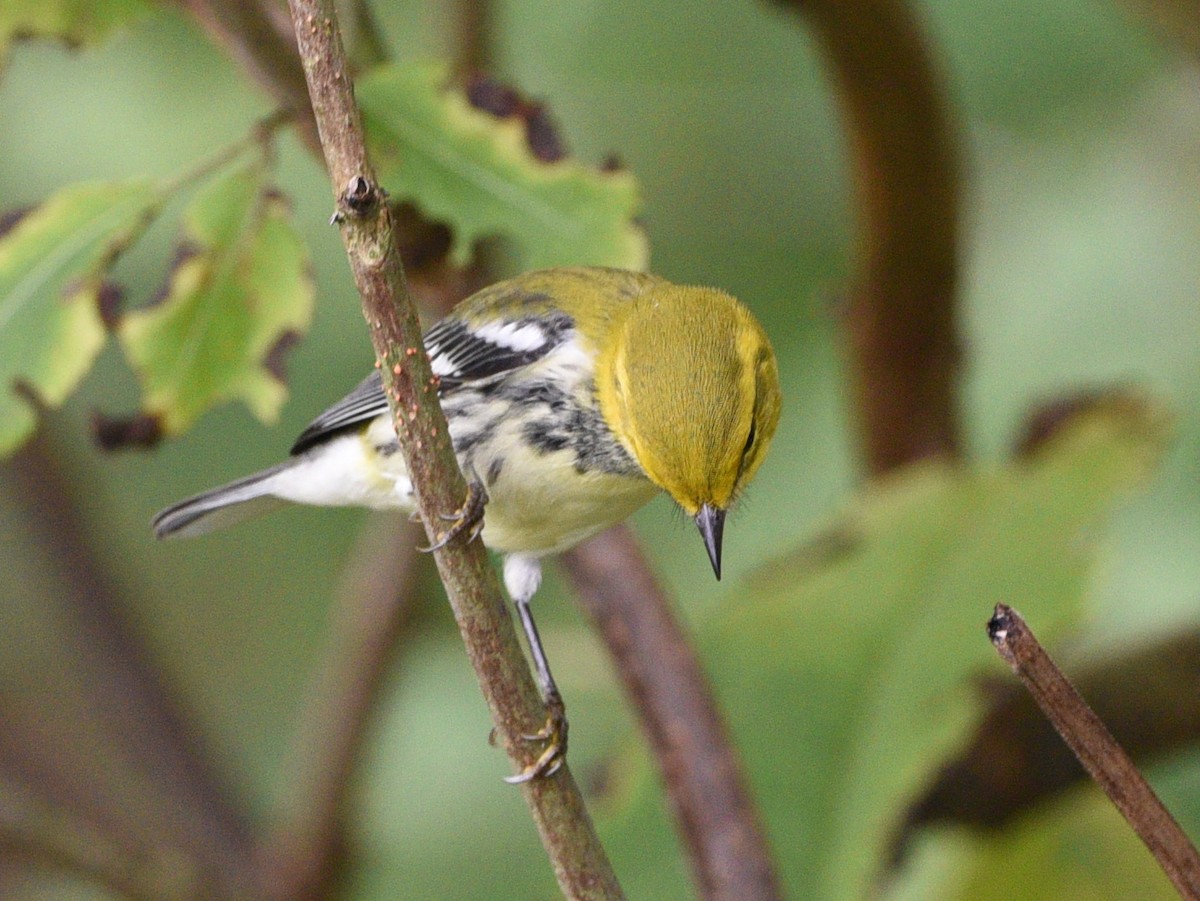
373, 609
900, 315
1177, 22
33, 832
655, 661
171, 796
1104, 759
258, 39
473, 28
579, 861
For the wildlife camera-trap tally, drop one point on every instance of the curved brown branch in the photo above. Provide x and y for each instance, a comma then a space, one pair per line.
901, 320
579, 861
708, 795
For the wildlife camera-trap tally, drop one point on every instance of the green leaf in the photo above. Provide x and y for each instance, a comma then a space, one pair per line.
475, 171
52, 264
241, 290
847, 670
76, 22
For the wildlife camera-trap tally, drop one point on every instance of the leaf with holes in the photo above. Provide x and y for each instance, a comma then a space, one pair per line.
53, 260
239, 294
468, 168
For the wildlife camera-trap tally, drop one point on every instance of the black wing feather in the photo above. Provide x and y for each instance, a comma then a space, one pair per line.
361, 405
458, 352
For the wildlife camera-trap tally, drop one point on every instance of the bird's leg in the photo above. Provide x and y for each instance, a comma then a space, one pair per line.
468, 516
554, 732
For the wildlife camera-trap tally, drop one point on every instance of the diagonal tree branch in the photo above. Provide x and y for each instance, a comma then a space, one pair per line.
1105, 760
579, 861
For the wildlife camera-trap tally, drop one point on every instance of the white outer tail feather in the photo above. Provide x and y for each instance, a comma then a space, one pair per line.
244, 499
343, 471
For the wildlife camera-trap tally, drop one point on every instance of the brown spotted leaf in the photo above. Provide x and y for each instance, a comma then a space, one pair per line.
53, 262
482, 174
239, 293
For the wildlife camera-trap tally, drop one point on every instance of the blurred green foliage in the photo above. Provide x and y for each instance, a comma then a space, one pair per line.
1082, 140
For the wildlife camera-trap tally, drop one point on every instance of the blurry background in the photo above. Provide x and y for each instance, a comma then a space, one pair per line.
1079, 123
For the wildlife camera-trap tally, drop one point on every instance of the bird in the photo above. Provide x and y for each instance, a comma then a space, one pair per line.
573, 396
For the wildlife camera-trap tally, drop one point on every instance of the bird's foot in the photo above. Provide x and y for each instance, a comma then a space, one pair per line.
554, 734
467, 518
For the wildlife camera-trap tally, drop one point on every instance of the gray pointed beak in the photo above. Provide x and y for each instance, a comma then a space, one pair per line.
711, 523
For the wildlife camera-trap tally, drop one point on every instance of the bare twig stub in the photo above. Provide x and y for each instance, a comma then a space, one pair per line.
1097, 750
578, 859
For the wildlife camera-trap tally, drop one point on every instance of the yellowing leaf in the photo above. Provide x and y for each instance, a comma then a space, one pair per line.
52, 263
476, 172
241, 288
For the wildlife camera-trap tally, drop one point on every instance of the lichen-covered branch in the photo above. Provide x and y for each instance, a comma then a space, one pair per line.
579, 861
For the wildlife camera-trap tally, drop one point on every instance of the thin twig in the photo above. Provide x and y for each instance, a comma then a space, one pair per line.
258, 137
579, 861
1104, 759
708, 794
901, 323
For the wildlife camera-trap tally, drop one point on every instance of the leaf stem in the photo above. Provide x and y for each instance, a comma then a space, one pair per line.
259, 136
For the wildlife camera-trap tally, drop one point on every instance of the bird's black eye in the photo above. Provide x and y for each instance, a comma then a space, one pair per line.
749, 439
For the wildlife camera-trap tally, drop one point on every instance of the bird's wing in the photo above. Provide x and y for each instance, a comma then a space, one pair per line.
460, 354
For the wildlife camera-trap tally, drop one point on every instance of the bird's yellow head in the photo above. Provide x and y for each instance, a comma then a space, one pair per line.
690, 384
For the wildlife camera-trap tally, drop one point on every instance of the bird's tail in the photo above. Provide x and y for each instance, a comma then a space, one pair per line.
220, 507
